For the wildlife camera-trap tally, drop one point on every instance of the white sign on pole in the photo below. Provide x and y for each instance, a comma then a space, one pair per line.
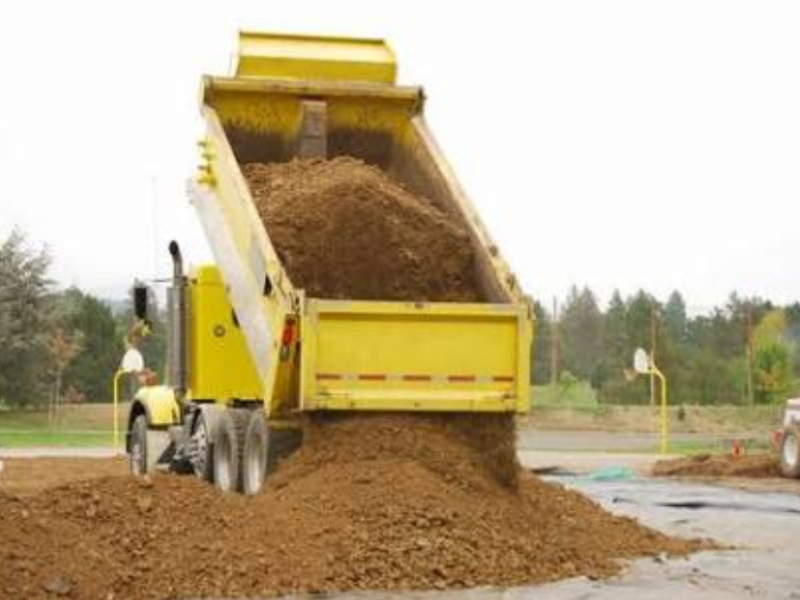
641, 361
132, 362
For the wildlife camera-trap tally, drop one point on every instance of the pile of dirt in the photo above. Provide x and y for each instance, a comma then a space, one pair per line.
709, 465
387, 502
344, 229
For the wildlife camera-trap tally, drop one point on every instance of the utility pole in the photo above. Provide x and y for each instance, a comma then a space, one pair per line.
156, 245
554, 344
748, 320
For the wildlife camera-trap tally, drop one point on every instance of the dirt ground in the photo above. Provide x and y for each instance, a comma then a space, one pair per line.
390, 502
26, 476
344, 229
708, 465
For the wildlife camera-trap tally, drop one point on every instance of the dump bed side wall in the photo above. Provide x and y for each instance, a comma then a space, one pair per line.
256, 283
405, 356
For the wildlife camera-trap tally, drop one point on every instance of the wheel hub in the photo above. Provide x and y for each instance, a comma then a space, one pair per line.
198, 450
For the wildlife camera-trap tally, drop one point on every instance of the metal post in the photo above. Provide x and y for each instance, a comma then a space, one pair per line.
645, 365
117, 376
664, 446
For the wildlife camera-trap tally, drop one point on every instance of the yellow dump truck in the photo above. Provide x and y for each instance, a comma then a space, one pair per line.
247, 351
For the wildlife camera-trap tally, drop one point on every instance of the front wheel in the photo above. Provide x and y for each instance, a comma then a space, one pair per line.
138, 446
790, 451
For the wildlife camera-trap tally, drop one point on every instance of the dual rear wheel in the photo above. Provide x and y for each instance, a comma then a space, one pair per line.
234, 449
241, 447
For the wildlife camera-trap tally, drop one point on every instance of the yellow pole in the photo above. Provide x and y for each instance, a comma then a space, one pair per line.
117, 376
664, 410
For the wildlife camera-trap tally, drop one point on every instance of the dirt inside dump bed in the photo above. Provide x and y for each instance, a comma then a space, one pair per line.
381, 502
344, 229
709, 465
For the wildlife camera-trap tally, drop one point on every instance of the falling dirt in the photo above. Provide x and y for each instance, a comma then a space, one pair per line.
389, 502
708, 465
344, 229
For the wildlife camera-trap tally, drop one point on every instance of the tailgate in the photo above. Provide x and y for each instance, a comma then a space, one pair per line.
415, 356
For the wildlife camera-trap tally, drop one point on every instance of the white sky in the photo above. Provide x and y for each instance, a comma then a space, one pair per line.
616, 144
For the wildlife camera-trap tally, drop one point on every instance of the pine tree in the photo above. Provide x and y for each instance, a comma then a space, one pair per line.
542, 340
675, 318
26, 324
84, 317
582, 333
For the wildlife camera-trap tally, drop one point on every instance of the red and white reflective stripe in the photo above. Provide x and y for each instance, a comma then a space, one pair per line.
372, 376
412, 377
329, 377
416, 378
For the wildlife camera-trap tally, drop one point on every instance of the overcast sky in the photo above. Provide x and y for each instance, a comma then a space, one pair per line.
615, 144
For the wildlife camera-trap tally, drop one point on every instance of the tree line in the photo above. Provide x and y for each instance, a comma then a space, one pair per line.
66, 344
744, 352
56, 345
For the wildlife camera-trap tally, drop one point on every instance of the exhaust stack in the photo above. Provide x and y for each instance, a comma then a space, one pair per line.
177, 342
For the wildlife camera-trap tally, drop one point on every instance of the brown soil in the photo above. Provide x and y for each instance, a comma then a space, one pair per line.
369, 502
26, 476
344, 229
707, 465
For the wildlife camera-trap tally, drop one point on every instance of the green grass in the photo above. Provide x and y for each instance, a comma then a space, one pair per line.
77, 426
579, 395
59, 439
689, 448
679, 448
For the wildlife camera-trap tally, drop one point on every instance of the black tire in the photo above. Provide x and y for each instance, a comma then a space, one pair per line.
201, 449
229, 449
255, 459
790, 451
137, 456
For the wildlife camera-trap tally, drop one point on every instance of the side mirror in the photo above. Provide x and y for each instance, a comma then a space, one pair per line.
641, 361
132, 361
140, 293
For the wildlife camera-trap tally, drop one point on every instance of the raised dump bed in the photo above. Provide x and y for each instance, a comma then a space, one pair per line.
323, 98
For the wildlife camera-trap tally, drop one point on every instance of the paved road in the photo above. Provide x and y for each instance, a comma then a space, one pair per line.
610, 441
581, 463
528, 439
52, 452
